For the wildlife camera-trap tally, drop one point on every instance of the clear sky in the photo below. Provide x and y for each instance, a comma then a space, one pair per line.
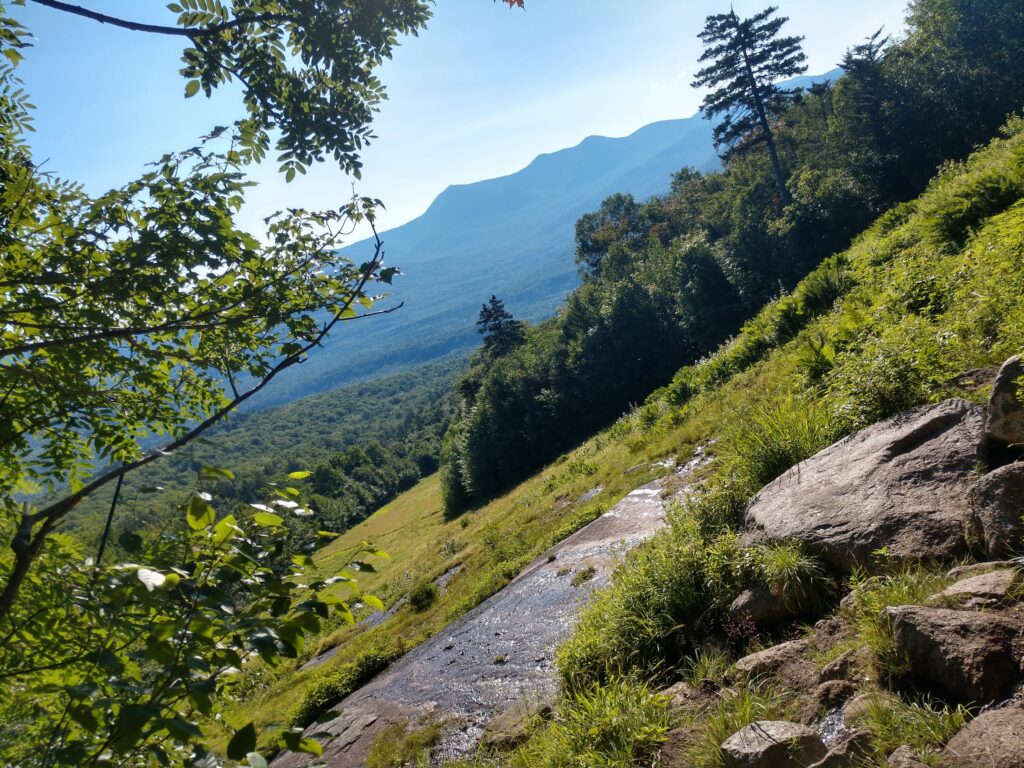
480, 93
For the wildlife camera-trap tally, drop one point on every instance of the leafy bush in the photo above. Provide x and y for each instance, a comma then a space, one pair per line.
423, 596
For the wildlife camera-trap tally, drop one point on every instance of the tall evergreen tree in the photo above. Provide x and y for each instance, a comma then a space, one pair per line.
747, 58
501, 331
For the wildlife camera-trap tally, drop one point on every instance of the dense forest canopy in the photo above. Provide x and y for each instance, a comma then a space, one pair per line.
665, 281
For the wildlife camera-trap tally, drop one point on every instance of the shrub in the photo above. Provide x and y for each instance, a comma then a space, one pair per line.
423, 596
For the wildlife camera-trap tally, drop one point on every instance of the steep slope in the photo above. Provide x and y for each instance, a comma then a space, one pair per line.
933, 290
512, 236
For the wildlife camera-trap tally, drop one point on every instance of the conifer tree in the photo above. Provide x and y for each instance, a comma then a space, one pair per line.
747, 58
501, 331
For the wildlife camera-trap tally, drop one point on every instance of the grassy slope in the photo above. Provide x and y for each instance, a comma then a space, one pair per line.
932, 290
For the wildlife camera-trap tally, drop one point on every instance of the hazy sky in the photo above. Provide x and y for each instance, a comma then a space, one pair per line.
482, 91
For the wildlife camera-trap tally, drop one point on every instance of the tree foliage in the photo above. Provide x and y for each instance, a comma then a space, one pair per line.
665, 281
501, 331
747, 59
132, 322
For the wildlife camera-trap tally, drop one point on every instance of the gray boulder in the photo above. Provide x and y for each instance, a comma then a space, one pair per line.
767, 606
997, 507
905, 757
773, 744
901, 484
968, 656
1005, 409
987, 588
994, 739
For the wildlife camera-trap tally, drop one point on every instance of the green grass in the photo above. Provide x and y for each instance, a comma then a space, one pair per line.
925, 726
399, 746
673, 590
616, 725
908, 585
735, 709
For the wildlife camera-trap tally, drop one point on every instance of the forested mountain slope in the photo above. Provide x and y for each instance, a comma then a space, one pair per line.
511, 236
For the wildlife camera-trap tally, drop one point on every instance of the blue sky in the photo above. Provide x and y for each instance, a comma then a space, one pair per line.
478, 94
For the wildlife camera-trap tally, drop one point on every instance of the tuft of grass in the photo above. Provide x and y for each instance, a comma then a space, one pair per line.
925, 726
707, 665
909, 585
620, 723
735, 709
773, 436
583, 575
399, 746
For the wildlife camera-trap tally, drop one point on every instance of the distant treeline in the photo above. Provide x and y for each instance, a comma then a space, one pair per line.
668, 280
363, 444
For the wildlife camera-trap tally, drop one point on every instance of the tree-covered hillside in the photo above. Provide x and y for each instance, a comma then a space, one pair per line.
666, 281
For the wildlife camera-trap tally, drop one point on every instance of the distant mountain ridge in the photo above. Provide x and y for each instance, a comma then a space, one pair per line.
511, 236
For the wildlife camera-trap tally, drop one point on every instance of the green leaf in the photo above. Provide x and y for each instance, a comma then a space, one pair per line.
299, 475
242, 743
200, 514
224, 530
216, 473
373, 602
268, 519
191, 88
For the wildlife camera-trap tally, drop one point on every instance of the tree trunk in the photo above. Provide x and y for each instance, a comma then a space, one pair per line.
762, 116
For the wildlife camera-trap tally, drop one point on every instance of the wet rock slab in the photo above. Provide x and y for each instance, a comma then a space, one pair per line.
453, 678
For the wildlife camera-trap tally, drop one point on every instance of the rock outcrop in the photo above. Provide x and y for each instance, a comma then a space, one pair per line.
994, 739
901, 484
773, 744
765, 607
788, 661
967, 656
997, 506
1005, 424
